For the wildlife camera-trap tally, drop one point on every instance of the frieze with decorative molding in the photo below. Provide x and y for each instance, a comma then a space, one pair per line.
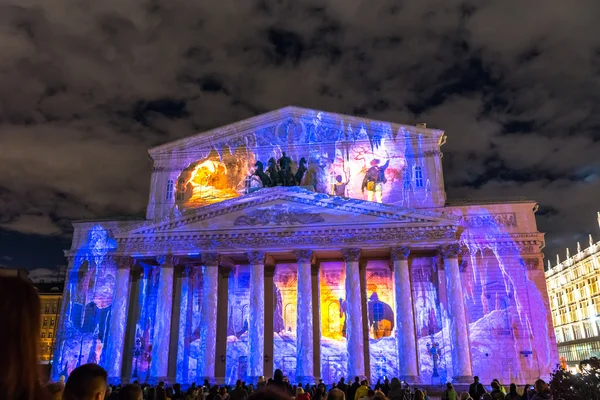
279, 214
186, 243
293, 194
505, 220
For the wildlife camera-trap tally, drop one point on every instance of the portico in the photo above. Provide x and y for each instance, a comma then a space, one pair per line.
306, 244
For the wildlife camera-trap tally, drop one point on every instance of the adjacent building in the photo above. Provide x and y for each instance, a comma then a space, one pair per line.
574, 293
51, 294
319, 244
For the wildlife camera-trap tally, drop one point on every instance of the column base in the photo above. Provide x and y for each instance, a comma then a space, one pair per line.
463, 379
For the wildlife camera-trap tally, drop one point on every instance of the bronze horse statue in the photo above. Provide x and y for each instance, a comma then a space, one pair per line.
264, 178
300, 171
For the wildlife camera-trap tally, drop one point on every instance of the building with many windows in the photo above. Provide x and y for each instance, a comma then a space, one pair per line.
574, 293
50, 298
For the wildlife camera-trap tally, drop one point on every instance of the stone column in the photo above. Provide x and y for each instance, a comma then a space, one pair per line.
208, 317
304, 318
118, 320
178, 286
256, 325
222, 315
459, 328
162, 327
405, 317
362, 268
269, 313
354, 315
316, 303
185, 327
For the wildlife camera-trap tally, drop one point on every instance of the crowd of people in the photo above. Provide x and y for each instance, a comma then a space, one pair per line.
20, 377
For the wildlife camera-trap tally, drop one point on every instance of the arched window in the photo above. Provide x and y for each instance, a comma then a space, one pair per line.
169, 189
407, 177
180, 189
418, 177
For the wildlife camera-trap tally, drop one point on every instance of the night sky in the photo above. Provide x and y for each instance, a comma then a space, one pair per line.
87, 86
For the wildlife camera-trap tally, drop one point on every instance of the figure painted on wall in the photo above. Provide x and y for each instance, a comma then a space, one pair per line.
339, 186
343, 315
374, 180
381, 317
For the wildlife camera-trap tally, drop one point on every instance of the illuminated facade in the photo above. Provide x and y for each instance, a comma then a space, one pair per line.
226, 279
573, 289
50, 298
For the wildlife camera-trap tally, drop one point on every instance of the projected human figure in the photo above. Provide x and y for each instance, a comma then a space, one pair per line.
339, 186
374, 180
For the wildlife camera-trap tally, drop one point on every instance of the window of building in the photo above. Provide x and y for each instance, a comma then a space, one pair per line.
180, 189
54, 308
52, 321
593, 285
45, 323
418, 177
50, 335
587, 327
577, 332
572, 313
567, 334
558, 334
169, 195
43, 335
406, 178
46, 307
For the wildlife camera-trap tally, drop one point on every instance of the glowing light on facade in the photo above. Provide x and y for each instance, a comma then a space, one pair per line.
468, 277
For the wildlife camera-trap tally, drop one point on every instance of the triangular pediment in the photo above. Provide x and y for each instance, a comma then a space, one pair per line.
293, 125
289, 209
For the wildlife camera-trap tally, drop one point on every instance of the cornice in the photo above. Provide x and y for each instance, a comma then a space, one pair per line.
307, 239
240, 128
295, 195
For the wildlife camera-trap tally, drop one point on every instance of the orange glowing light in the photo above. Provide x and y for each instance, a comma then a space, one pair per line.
207, 184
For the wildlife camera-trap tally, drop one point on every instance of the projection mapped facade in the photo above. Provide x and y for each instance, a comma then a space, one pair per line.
315, 243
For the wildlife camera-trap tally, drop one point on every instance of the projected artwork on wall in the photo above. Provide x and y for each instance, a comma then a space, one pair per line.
87, 303
334, 356
237, 325
221, 198
332, 161
381, 319
285, 282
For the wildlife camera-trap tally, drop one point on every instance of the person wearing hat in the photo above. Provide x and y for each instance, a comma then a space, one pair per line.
374, 180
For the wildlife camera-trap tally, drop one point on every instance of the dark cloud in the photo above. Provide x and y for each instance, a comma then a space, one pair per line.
86, 87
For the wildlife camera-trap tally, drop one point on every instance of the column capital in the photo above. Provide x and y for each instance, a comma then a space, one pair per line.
303, 255
399, 253
449, 251
351, 254
210, 259
167, 260
256, 257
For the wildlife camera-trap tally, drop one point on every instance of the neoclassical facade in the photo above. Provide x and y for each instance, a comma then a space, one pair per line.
260, 250
574, 294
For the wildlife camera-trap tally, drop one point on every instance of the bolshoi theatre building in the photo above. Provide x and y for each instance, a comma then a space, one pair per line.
319, 244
